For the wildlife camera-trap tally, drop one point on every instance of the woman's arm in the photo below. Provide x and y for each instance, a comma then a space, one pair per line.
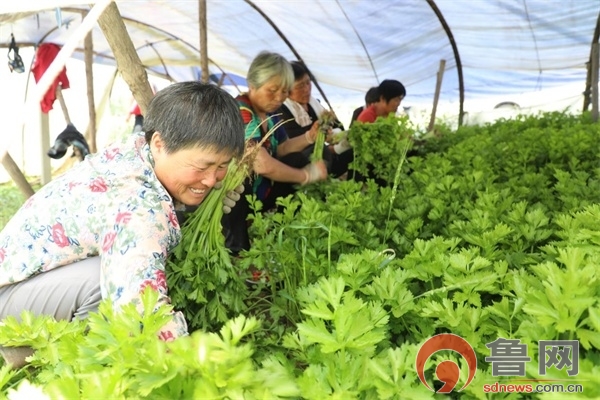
269, 167
291, 126
298, 143
133, 254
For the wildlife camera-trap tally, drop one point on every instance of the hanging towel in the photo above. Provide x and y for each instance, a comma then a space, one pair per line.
44, 56
300, 115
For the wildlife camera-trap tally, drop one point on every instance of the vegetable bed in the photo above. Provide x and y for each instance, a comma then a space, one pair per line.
487, 232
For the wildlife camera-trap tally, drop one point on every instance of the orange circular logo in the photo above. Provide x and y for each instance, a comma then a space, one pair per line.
446, 371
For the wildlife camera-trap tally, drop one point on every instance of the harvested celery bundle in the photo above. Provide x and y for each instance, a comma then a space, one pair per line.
326, 121
203, 282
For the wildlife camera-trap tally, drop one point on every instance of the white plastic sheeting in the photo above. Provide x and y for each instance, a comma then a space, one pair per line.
507, 47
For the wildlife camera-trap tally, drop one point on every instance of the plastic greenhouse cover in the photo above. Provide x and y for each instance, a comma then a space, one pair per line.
506, 47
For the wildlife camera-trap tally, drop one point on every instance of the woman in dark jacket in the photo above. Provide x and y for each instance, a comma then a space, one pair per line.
301, 111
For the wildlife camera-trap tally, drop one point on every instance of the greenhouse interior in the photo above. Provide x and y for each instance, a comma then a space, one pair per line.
311, 199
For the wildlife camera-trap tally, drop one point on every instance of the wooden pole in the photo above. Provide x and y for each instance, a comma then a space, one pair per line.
128, 61
436, 97
588, 66
44, 84
46, 175
203, 40
63, 105
70, 161
88, 51
587, 97
595, 82
17, 176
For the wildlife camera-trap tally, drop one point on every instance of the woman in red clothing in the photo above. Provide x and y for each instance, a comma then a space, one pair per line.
371, 97
391, 93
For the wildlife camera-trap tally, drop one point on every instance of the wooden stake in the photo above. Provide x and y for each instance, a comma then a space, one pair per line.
203, 40
128, 61
70, 161
436, 97
46, 175
88, 51
17, 176
594, 67
63, 105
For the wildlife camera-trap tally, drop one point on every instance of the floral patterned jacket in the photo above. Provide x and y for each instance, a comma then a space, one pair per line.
112, 205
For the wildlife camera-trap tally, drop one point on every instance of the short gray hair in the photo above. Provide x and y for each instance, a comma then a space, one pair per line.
267, 65
194, 114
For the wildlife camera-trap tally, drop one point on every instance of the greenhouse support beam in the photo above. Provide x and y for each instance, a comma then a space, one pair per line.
63, 104
46, 174
588, 80
100, 108
17, 175
134, 22
461, 81
594, 71
88, 53
436, 96
289, 44
202, 23
128, 61
56, 67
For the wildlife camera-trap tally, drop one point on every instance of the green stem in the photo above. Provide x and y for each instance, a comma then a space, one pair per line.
395, 187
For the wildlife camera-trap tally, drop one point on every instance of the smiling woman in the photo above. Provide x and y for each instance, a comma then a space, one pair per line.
104, 229
191, 150
189, 174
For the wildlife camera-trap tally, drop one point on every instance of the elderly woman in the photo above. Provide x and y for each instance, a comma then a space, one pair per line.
300, 111
104, 229
280, 165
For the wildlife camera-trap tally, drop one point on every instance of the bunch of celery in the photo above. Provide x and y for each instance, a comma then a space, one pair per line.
201, 277
202, 281
326, 120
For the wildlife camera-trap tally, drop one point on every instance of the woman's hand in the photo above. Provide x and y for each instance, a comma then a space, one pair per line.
332, 133
231, 197
311, 135
315, 171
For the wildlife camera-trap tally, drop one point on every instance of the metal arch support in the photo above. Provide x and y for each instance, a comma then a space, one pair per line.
362, 43
135, 21
289, 44
588, 81
461, 83
168, 34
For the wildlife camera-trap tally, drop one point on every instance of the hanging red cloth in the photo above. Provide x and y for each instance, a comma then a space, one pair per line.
44, 56
135, 109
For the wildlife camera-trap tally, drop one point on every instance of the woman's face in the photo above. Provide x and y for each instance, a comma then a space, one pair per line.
189, 174
301, 90
269, 97
392, 105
